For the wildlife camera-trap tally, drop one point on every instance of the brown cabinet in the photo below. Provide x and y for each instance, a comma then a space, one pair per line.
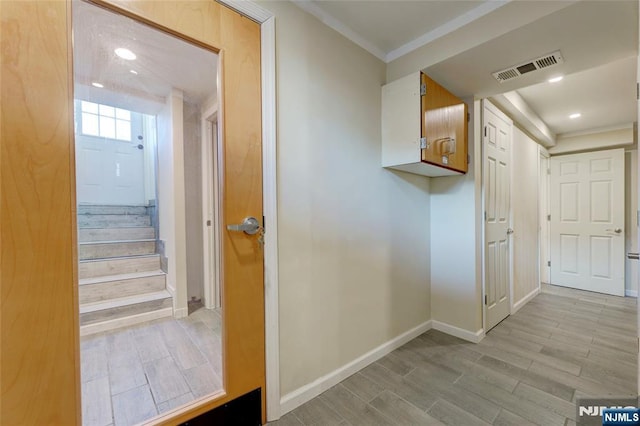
444, 126
424, 127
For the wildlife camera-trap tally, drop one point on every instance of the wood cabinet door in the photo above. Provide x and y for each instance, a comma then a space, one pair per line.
444, 125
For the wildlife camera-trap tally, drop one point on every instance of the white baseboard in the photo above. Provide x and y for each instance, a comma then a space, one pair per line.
309, 391
89, 329
519, 304
181, 313
631, 293
461, 333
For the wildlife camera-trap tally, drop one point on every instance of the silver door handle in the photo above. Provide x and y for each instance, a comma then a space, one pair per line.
509, 231
616, 230
249, 226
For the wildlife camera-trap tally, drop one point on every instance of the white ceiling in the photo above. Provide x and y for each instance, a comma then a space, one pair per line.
590, 35
163, 62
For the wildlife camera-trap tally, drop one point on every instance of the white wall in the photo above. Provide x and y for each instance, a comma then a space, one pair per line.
171, 201
525, 211
591, 141
631, 224
353, 237
193, 200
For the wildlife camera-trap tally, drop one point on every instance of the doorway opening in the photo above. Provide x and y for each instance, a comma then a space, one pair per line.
150, 315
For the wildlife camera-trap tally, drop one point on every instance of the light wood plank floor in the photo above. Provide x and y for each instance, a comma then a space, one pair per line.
564, 344
132, 374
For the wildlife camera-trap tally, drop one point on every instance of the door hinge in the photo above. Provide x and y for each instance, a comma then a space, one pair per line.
485, 299
548, 217
468, 117
423, 143
423, 89
208, 223
485, 131
548, 263
468, 159
638, 91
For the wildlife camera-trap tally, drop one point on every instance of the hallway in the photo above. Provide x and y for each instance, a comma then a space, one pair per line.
564, 344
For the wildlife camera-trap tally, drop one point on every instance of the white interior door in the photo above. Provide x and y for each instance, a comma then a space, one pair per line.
109, 171
497, 136
587, 221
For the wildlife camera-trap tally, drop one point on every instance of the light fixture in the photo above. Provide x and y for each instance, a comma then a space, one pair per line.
98, 85
555, 79
134, 72
576, 115
125, 54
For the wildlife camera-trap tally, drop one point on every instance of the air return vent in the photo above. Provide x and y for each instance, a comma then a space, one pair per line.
515, 71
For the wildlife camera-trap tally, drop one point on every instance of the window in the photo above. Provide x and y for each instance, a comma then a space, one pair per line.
105, 121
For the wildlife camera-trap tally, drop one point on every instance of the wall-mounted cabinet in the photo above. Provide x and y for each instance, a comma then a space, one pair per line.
424, 127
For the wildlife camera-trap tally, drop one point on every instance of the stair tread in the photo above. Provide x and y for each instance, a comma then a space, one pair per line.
119, 258
146, 240
124, 301
120, 277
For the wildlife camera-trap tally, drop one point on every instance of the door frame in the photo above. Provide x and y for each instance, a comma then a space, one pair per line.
544, 239
211, 261
266, 19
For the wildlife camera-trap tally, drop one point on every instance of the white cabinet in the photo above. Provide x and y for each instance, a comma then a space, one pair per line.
424, 128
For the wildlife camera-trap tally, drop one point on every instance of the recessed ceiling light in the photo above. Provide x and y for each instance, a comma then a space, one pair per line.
125, 54
555, 79
576, 115
98, 85
134, 72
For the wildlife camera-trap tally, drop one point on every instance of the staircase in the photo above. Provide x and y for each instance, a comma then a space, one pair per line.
121, 282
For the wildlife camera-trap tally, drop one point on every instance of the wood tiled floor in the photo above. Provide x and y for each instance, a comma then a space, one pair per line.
132, 374
562, 345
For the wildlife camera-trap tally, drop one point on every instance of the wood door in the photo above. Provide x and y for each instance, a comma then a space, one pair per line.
587, 221
497, 162
38, 275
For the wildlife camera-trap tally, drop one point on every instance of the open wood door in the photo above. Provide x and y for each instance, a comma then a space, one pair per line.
39, 356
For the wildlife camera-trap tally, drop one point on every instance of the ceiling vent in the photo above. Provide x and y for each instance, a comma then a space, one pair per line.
545, 61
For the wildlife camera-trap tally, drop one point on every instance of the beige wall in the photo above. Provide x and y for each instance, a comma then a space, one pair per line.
193, 200
524, 202
353, 237
456, 286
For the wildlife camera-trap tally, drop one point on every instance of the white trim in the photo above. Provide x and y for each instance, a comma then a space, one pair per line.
270, 209
181, 312
631, 293
102, 326
269, 165
469, 336
337, 25
309, 391
519, 304
210, 207
446, 28
248, 9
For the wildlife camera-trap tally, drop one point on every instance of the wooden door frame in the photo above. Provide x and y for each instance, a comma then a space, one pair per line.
266, 19
42, 243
